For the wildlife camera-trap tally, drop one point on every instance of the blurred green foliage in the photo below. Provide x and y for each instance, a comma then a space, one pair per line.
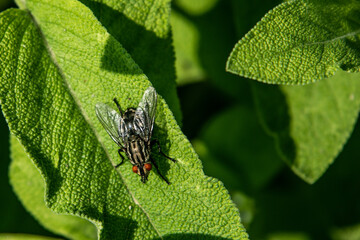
220, 118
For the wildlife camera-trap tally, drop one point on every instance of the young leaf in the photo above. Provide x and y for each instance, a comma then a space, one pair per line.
300, 42
29, 187
310, 123
50, 109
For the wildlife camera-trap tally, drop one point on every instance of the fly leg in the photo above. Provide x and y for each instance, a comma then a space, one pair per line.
118, 106
157, 169
122, 157
155, 141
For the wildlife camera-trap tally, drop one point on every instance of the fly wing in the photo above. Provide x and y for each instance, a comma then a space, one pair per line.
145, 114
110, 119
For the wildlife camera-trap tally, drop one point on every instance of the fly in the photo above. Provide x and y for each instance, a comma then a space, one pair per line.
131, 131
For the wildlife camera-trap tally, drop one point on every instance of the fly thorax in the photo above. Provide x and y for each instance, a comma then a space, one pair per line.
127, 128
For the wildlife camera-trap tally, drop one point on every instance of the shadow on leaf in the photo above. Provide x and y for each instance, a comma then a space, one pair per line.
163, 163
114, 227
153, 54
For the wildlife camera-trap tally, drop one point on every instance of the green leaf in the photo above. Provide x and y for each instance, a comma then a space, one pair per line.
17, 236
29, 187
347, 233
310, 123
196, 7
288, 236
145, 34
151, 15
50, 109
244, 146
246, 206
186, 43
300, 42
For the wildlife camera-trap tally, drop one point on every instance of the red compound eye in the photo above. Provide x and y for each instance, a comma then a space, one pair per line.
147, 166
135, 169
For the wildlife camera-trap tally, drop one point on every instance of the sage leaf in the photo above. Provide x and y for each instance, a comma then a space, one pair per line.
300, 42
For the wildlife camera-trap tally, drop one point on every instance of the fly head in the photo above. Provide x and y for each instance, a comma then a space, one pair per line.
142, 170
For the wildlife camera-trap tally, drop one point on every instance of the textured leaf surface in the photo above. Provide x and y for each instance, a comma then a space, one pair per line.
311, 123
29, 187
63, 137
153, 15
300, 42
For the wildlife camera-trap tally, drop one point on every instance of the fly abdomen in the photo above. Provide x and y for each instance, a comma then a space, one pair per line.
137, 152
